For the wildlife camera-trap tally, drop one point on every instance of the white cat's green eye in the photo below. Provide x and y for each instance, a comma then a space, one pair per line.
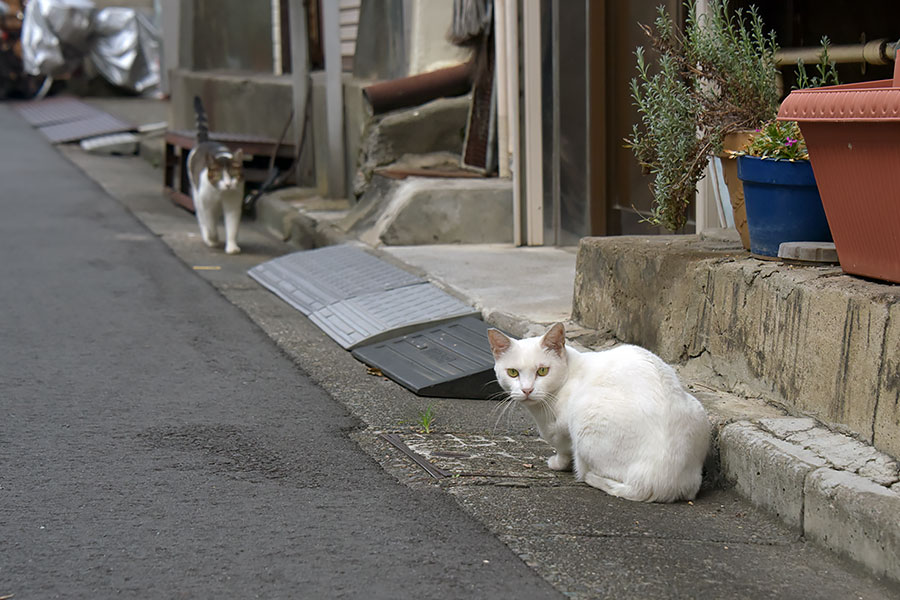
543, 371
512, 372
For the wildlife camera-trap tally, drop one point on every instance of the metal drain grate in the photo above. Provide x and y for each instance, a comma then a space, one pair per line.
40, 113
68, 120
85, 128
310, 280
451, 360
380, 315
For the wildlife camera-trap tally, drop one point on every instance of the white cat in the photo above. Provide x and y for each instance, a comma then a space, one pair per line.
622, 414
217, 185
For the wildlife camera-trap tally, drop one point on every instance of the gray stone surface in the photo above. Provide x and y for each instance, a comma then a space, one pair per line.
420, 210
594, 546
887, 414
841, 451
821, 343
769, 471
246, 103
285, 222
438, 126
856, 518
492, 277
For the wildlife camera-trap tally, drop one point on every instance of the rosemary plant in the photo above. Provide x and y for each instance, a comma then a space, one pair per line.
715, 77
826, 70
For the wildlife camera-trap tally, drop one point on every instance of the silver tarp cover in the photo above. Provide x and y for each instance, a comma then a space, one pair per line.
122, 43
125, 49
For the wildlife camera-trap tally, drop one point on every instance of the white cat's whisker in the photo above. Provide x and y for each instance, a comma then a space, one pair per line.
503, 407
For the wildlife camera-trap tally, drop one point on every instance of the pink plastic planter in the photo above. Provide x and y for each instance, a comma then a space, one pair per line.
853, 135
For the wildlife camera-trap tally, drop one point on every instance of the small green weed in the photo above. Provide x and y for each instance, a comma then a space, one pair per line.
426, 419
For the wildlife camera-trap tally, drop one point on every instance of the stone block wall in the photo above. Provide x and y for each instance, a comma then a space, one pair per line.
821, 343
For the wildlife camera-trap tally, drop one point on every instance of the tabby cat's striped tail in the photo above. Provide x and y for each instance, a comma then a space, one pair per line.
202, 122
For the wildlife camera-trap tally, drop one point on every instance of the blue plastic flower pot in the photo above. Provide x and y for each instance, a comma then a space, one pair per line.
782, 203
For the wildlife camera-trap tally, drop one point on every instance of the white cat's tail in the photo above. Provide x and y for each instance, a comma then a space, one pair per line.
617, 488
686, 491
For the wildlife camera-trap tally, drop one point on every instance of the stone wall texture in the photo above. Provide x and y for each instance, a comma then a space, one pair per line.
821, 343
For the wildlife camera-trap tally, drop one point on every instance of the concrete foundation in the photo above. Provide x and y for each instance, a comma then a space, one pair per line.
246, 103
438, 126
818, 342
422, 210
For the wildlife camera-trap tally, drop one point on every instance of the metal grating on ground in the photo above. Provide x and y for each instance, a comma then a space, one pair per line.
310, 280
85, 128
380, 315
451, 360
61, 109
67, 119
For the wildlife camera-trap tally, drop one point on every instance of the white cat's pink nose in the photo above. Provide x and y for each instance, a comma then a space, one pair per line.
527, 391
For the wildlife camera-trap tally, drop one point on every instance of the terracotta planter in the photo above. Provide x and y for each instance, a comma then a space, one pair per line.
852, 134
734, 142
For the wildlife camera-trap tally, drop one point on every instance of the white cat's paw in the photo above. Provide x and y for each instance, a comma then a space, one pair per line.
559, 463
232, 249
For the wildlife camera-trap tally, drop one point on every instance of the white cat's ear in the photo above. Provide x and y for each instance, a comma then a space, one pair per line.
238, 157
500, 342
555, 339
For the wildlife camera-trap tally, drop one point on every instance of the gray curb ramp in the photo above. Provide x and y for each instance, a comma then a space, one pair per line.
807, 480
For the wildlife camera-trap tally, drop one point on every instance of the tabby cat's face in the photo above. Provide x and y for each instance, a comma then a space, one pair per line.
226, 171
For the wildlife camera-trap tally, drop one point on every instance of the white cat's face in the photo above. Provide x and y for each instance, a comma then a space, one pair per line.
533, 369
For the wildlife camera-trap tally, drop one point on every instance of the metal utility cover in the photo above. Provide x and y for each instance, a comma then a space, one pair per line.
451, 360
376, 316
68, 120
39, 113
313, 279
90, 127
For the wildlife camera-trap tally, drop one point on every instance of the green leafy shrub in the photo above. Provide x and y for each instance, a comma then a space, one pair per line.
715, 77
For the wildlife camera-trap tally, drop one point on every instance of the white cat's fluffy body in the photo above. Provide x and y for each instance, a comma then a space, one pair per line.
620, 415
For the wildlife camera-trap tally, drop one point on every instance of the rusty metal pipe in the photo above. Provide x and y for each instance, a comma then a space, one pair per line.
876, 52
418, 89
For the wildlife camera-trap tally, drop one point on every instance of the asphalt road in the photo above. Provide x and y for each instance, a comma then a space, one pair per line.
154, 443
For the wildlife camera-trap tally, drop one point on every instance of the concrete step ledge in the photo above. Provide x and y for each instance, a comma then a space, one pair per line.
423, 210
830, 487
305, 222
820, 343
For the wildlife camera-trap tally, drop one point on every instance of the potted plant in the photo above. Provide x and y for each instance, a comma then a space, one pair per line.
825, 73
780, 192
852, 132
716, 77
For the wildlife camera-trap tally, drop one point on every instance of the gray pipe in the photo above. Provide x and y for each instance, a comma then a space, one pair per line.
876, 52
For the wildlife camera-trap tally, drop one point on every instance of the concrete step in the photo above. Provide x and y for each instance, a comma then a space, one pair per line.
816, 341
768, 346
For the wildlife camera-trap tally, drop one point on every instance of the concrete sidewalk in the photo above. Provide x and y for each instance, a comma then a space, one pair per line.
825, 484
821, 484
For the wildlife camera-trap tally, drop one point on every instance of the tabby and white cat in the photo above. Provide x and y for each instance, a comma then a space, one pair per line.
621, 414
217, 185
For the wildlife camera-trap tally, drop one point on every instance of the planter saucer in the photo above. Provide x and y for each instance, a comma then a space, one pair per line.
808, 253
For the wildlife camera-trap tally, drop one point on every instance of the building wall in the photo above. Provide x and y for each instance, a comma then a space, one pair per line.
230, 34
